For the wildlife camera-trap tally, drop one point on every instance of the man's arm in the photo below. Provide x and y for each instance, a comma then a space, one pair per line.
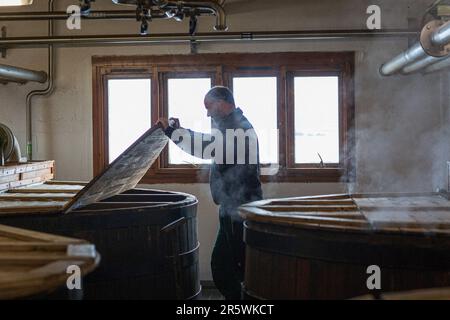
191, 142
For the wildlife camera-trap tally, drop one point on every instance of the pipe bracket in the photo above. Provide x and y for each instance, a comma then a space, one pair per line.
426, 36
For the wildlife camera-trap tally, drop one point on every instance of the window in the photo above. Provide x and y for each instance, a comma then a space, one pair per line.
316, 120
185, 102
128, 114
300, 104
257, 97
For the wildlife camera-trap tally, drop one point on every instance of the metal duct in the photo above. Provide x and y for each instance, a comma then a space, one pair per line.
9, 146
21, 75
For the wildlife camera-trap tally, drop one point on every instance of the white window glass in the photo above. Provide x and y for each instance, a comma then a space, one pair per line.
257, 97
185, 101
316, 120
129, 113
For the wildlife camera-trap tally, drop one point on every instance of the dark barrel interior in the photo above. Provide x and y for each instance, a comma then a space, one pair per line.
147, 240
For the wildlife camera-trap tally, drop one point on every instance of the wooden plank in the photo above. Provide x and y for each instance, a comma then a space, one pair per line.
8, 207
74, 191
21, 183
29, 235
34, 174
9, 178
307, 202
35, 263
75, 183
309, 208
35, 197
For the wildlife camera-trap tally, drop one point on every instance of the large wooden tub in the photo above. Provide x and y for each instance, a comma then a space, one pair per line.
321, 247
147, 238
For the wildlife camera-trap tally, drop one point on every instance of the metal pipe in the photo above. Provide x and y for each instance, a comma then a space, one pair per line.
442, 36
83, 40
415, 58
221, 17
43, 92
420, 64
438, 66
399, 62
20, 74
62, 15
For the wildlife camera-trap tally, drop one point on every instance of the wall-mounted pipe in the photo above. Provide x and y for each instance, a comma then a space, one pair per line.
21, 75
82, 40
43, 92
420, 64
414, 53
442, 36
445, 63
415, 58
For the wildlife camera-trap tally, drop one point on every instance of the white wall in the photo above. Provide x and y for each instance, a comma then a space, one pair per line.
400, 142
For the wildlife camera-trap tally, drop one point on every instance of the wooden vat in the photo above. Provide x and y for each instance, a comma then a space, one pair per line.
320, 247
147, 238
33, 263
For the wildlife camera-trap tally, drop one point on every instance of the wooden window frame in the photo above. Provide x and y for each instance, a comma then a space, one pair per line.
223, 67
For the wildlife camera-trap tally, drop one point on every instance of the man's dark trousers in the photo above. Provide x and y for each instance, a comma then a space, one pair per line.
228, 257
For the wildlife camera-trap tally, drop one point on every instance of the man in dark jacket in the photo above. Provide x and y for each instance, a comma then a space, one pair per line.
234, 179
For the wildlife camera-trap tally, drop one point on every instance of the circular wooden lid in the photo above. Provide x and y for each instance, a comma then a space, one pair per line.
398, 213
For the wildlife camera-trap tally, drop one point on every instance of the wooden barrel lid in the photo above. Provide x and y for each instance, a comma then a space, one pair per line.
399, 213
33, 263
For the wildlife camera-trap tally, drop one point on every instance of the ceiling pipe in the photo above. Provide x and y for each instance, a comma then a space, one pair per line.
21, 75
202, 7
89, 40
62, 15
46, 91
92, 15
221, 17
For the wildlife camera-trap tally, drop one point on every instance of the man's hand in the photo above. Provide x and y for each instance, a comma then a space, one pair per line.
174, 123
171, 122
